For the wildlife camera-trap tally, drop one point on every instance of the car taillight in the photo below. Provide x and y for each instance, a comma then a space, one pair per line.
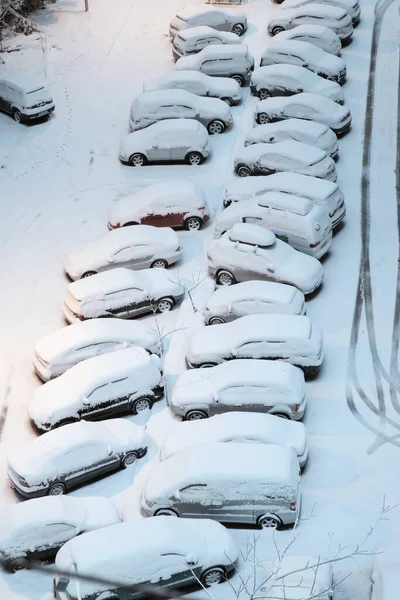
22, 482
296, 408
248, 70
137, 120
293, 505
81, 317
201, 208
315, 245
178, 249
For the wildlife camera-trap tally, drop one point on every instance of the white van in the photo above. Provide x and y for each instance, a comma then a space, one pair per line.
221, 61
295, 220
194, 39
24, 98
324, 193
231, 483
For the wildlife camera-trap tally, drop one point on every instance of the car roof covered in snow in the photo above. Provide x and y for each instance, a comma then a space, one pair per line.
92, 331
308, 29
282, 71
270, 291
191, 11
218, 463
26, 82
317, 9
315, 101
288, 202
291, 149
311, 128
186, 129
155, 98
298, 47
247, 233
205, 31
218, 50
173, 191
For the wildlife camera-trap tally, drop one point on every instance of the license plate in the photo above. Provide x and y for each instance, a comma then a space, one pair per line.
41, 114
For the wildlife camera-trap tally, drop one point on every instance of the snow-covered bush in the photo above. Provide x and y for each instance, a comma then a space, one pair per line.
13, 13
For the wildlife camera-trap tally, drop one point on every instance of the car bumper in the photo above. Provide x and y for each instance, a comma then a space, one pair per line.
43, 372
302, 458
70, 316
33, 492
335, 152
338, 215
39, 115
314, 287
346, 38
356, 18
343, 129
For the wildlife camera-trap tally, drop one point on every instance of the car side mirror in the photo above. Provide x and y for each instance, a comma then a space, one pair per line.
191, 560
255, 249
270, 270
150, 211
176, 496
216, 502
305, 65
155, 145
109, 449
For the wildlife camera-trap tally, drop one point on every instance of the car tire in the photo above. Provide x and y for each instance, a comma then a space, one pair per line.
15, 564
88, 274
193, 223
137, 160
195, 415
263, 94
130, 223
263, 119
57, 489
281, 415
311, 371
160, 263
207, 365
239, 79
243, 171
225, 278
140, 405
194, 158
216, 321
165, 305
166, 512
229, 101
216, 127
269, 522
129, 459
238, 28
16, 115
277, 29
213, 576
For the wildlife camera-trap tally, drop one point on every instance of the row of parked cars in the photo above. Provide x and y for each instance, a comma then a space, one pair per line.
102, 366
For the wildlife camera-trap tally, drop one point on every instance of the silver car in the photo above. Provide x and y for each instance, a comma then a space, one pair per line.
218, 18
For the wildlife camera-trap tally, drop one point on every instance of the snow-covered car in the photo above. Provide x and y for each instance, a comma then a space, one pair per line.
306, 55
319, 35
27, 100
162, 552
137, 247
66, 347
295, 220
36, 530
171, 140
252, 297
176, 203
248, 386
194, 39
313, 14
292, 338
73, 455
308, 132
220, 61
221, 19
242, 427
151, 107
255, 484
123, 382
352, 7
121, 293
249, 251
324, 193
291, 576
200, 84
288, 80
310, 107
265, 159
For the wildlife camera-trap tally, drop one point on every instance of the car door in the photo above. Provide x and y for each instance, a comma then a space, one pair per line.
156, 215
299, 111
192, 500
80, 463
249, 398
132, 257
89, 350
96, 403
195, 87
218, 20
253, 349
127, 303
159, 150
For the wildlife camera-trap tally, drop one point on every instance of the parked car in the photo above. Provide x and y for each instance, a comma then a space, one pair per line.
66, 347
151, 107
136, 247
36, 530
241, 427
319, 35
123, 382
265, 159
24, 98
351, 7
292, 338
297, 221
288, 80
194, 39
221, 19
170, 553
231, 483
121, 293
298, 130
313, 14
73, 455
291, 573
324, 193
248, 386
248, 252
252, 297
303, 54
172, 140
200, 84
220, 61
311, 107
175, 203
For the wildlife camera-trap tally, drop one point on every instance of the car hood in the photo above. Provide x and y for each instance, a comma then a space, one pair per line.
328, 62
330, 89
227, 86
303, 270
187, 63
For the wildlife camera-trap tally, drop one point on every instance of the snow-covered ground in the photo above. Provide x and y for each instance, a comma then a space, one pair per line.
57, 182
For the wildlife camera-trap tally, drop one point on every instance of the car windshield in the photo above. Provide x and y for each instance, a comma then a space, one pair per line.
181, 19
37, 90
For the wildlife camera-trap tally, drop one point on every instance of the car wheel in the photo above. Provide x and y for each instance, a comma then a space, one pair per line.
57, 489
264, 94
213, 576
238, 28
195, 415
193, 224
217, 321
281, 415
88, 274
194, 158
216, 127
165, 512
239, 79
137, 160
129, 459
263, 118
130, 223
269, 522
207, 365
243, 171
160, 263
277, 29
164, 305
140, 405
229, 101
15, 564
225, 278
17, 115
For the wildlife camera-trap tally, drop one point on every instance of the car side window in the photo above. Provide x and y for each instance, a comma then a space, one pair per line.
54, 533
97, 391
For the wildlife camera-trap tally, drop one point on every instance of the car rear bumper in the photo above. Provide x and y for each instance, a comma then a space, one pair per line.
342, 130
338, 215
70, 315
38, 115
33, 492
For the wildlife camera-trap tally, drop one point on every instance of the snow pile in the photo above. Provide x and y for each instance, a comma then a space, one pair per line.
247, 233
